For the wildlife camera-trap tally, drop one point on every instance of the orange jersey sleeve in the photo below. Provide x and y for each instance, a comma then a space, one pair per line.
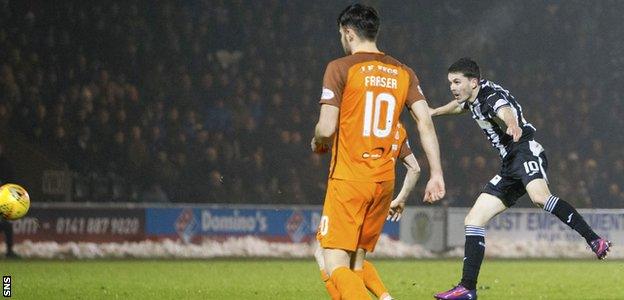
371, 90
333, 84
405, 149
401, 145
415, 93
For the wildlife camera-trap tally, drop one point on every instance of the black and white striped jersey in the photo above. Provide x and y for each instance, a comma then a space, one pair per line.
490, 99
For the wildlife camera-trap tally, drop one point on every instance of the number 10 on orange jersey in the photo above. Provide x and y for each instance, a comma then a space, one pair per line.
373, 117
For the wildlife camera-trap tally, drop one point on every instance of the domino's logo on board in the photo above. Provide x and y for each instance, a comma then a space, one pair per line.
296, 226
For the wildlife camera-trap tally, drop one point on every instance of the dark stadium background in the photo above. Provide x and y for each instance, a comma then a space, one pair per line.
215, 101
171, 138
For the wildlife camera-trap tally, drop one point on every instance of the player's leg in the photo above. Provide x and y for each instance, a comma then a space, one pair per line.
357, 263
7, 228
329, 285
346, 282
373, 282
531, 164
371, 230
540, 195
339, 231
367, 271
485, 208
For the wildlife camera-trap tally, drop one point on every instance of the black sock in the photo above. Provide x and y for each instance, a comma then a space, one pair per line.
567, 214
8, 234
474, 250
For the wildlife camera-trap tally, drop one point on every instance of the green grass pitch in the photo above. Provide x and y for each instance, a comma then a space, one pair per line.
299, 279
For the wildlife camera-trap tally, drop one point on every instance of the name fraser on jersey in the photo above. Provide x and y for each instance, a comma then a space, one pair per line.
379, 81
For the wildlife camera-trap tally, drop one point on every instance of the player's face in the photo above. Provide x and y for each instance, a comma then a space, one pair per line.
344, 40
461, 86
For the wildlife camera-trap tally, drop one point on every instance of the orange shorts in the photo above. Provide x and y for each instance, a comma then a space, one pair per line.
354, 214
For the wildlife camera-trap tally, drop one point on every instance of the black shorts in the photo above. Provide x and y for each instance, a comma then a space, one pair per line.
526, 161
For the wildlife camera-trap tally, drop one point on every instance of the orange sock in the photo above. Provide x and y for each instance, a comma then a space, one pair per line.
360, 273
349, 285
329, 285
372, 281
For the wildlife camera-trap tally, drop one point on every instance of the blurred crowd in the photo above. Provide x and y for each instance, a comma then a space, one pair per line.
215, 101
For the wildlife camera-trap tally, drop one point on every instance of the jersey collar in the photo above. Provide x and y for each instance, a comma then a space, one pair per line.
368, 52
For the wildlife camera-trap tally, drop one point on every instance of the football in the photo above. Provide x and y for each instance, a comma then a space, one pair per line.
14, 201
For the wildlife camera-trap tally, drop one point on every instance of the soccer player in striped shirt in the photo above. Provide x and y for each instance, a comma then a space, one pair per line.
523, 168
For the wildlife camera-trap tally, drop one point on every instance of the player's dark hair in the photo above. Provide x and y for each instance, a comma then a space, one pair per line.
361, 18
467, 67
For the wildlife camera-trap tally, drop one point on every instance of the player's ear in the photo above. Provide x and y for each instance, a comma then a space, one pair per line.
474, 82
350, 34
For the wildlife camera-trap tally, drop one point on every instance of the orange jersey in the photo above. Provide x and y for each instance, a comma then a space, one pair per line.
401, 147
371, 90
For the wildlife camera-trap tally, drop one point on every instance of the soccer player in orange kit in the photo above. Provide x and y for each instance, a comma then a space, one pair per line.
368, 273
362, 98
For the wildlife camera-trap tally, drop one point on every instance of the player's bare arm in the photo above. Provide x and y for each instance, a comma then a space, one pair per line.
325, 128
508, 116
411, 177
435, 189
454, 107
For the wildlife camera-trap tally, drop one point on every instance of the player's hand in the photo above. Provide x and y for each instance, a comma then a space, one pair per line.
318, 147
396, 209
435, 189
515, 132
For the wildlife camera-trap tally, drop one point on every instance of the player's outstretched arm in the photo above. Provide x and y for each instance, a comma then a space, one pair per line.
507, 115
325, 128
451, 108
411, 177
435, 189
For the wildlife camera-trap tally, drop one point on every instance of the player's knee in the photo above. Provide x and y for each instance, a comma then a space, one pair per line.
335, 258
539, 199
474, 218
538, 191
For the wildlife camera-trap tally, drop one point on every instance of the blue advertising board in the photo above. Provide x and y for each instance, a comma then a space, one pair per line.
276, 224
